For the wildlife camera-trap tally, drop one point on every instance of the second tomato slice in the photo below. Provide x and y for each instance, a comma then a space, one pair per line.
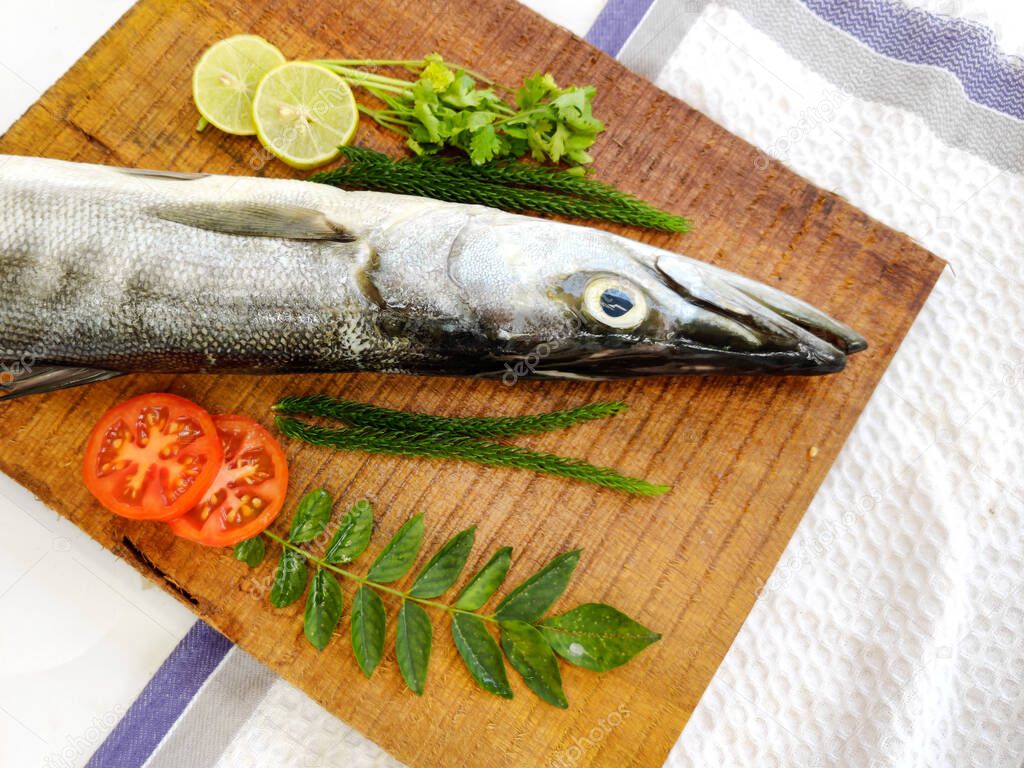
248, 492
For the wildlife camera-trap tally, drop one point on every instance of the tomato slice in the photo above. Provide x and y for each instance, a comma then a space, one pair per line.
248, 492
152, 457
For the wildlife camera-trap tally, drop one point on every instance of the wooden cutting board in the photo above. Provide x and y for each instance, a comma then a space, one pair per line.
745, 455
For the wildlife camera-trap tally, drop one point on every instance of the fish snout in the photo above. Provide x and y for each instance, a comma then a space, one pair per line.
732, 324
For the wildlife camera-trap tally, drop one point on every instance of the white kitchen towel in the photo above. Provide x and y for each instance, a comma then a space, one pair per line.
891, 632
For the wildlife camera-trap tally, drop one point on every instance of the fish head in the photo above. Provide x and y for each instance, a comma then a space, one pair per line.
561, 301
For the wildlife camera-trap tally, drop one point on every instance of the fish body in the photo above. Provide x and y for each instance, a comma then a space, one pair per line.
105, 271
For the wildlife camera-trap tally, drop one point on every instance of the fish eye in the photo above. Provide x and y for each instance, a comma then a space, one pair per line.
614, 302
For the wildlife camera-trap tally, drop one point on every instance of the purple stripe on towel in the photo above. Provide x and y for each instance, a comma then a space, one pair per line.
616, 23
968, 50
163, 700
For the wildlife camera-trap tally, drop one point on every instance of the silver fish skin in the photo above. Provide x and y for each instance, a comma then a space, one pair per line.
106, 271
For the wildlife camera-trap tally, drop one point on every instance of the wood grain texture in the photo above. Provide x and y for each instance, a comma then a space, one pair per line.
737, 450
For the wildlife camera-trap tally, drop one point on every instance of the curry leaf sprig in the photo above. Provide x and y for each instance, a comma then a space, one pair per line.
445, 106
397, 433
593, 635
510, 186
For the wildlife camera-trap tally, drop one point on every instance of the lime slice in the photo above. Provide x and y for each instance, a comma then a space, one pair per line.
225, 80
304, 113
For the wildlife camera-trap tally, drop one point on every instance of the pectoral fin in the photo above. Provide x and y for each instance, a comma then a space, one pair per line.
172, 175
256, 220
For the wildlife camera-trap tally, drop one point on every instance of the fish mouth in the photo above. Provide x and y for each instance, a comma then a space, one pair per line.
583, 362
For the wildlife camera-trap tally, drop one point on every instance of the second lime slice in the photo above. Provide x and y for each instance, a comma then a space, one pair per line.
304, 113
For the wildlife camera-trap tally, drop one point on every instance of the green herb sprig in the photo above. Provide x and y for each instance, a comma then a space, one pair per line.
446, 107
355, 413
510, 186
593, 635
396, 433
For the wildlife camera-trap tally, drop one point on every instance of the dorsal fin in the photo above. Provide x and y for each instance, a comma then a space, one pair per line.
49, 378
256, 220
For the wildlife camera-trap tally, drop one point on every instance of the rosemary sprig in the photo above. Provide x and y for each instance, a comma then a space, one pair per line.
511, 186
594, 636
358, 414
570, 181
379, 441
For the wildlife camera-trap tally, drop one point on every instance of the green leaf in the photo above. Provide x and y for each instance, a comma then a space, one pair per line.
585, 124
486, 582
535, 89
290, 579
412, 645
353, 534
556, 147
323, 609
474, 121
421, 111
444, 568
481, 654
596, 636
311, 517
533, 597
437, 72
251, 551
463, 94
484, 145
531, 656
399, 554
369, 624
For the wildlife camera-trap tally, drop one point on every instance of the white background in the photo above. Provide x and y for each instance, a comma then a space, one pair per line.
82, 632
819, 673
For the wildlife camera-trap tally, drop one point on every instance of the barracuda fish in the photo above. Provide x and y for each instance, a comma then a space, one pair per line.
107, 271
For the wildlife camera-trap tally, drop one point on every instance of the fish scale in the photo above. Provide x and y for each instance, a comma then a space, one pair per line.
115, 271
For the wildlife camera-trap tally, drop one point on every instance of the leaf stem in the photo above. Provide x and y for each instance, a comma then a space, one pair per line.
363, 581
410, 64
416, 63
385, 120
358, 76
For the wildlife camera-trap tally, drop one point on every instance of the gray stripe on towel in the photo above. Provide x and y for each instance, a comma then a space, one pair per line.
658, 35
931, 92
218, 711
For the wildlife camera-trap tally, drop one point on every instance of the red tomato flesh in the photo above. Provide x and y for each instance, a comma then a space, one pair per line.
152, 457
248, 492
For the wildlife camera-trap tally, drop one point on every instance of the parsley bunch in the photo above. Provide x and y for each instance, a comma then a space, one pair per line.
455, 107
